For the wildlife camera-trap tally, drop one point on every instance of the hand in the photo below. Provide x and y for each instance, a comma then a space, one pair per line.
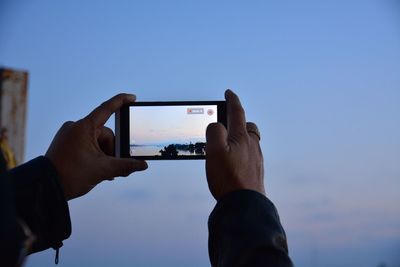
83, 151
234, 159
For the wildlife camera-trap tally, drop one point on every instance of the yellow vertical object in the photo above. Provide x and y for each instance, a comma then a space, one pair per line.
8, 154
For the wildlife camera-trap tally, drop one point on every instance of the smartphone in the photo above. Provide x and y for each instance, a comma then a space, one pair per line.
166, 130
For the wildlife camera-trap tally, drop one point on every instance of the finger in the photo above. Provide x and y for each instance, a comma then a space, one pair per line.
236, 116
102, 113
253, 131
122, 166
106, 141
216, 136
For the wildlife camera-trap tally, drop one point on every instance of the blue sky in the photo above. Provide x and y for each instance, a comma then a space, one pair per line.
320, 78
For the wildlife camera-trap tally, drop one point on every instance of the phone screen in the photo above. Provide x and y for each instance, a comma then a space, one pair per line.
169, 131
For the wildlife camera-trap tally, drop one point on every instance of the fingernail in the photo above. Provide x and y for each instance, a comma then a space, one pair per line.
131, 97
228, 92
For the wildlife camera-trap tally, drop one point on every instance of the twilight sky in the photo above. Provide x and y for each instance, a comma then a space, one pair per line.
320, 78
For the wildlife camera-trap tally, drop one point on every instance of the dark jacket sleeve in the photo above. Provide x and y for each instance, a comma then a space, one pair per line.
244, 230
11, 234
40, 203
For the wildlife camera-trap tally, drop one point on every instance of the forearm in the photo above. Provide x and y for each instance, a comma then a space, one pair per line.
40, 203
244, 230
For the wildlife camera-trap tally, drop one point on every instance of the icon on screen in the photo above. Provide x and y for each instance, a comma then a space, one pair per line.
195, 111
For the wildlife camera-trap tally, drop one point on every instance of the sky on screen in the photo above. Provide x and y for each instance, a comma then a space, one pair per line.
162, 125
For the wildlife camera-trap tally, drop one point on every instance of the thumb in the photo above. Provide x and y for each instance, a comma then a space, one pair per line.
123, 166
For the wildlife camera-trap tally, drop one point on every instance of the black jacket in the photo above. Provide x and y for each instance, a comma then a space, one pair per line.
244, 227
31, 200
244, 230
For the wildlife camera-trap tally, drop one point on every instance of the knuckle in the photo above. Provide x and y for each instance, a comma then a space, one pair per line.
89, 121
67, 125
252, 124
242, 136
105, 105
86, 123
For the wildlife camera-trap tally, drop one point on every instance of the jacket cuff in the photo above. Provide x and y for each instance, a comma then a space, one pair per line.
249, 218
40, 202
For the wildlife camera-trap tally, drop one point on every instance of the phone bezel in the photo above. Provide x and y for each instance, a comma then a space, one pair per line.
122, 127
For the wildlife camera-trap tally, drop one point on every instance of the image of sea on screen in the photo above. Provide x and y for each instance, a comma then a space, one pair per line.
169, 131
